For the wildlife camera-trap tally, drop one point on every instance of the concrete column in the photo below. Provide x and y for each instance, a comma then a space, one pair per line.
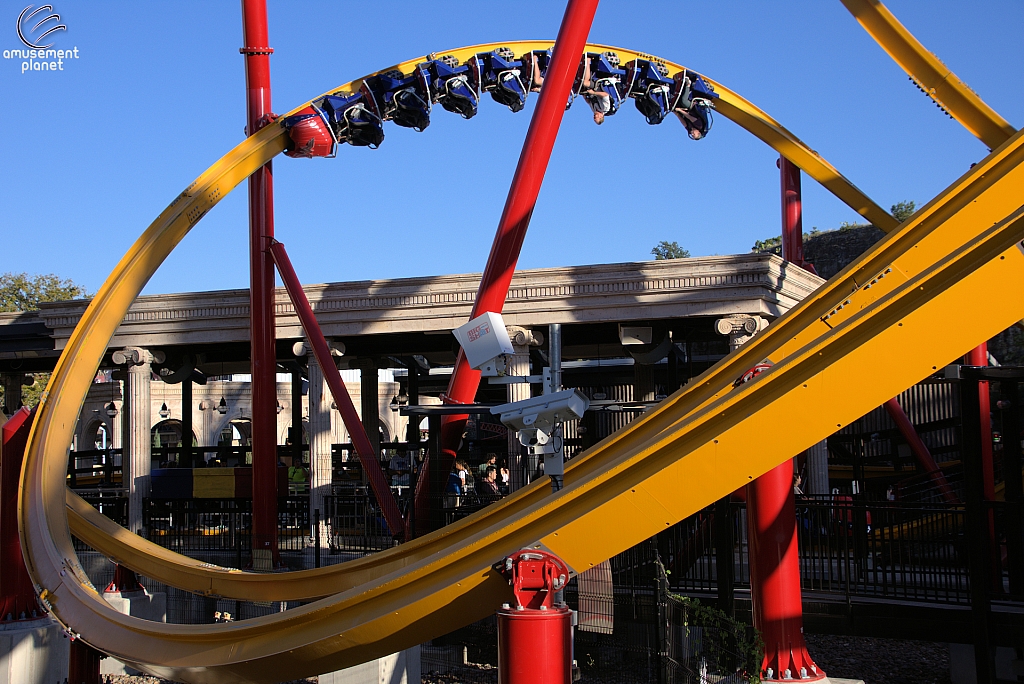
739, 329
520, 469
12, 383
137, 423
186, 423
320, 440
207, 423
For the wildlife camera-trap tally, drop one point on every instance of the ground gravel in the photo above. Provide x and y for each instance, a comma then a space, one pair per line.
881, 661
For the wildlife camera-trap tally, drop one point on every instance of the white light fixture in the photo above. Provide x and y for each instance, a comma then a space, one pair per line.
164, 411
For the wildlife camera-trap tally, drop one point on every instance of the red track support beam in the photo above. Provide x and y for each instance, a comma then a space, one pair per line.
368, 456
17, 595
515, 219
775, 576
920, 450
261, 288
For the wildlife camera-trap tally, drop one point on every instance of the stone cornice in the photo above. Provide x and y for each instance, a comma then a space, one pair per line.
705, 286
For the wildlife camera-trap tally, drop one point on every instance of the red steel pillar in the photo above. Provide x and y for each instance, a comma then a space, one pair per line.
979, 357
792, 215
535, 634
261, 288
775, 576
515, 219
771, 514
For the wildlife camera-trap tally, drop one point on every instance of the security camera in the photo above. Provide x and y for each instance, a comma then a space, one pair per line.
535, 419
486, 344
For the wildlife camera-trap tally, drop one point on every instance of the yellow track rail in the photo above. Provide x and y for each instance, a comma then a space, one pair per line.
705, 441
929, 73
158, 563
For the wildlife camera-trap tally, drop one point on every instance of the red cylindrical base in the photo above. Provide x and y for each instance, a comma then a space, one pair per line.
535, 646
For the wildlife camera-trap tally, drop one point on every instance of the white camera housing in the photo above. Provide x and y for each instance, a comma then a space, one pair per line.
486, 344
535, 419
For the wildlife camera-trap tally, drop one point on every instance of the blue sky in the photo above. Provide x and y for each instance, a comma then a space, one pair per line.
93, 153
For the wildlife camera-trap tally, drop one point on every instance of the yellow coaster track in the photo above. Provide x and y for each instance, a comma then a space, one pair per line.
870, 332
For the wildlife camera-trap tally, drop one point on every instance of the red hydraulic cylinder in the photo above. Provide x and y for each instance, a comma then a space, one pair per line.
775, 576
535, 634
261, 288
515, 219
368, 456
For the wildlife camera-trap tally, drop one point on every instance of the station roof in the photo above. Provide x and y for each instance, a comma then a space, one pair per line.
406, 316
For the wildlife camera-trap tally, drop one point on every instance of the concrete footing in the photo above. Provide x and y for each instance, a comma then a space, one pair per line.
140, 604
398, 668
33, 652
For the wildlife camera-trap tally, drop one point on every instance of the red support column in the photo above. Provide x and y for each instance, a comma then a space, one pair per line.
792, 215
920, 451
515, 219
979, 357
775, 576
261, 289
771, 514
369, 457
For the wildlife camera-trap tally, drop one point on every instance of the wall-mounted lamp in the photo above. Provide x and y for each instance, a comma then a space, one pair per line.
399, 400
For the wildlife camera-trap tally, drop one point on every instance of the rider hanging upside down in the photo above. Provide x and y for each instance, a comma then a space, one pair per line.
691, 109
599, 100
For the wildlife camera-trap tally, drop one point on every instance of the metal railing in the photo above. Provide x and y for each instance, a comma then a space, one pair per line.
890, 549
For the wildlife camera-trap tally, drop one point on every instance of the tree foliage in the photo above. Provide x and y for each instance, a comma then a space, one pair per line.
901, 211
669, 250
770, 246
22, 292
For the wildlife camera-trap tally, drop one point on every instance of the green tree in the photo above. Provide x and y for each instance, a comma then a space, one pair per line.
770, 246
901, 211
669, 250
22, 292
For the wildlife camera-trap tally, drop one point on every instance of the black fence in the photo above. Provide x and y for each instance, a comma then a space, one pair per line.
95, 468
878, 549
